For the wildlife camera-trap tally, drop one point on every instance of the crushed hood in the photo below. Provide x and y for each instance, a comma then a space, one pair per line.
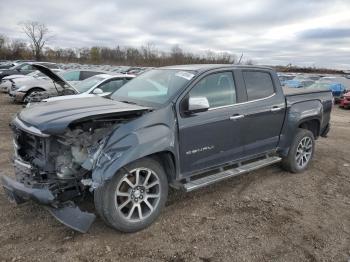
54, 77
54, 117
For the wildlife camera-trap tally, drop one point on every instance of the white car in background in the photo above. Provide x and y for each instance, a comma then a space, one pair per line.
23, 88
101, 85
7, 81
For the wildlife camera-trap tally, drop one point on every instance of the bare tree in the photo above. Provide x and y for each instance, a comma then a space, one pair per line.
38, 34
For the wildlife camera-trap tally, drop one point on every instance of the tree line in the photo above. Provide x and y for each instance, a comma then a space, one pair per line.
36, 48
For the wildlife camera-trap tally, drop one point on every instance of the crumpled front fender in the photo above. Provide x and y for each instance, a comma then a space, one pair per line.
122, 150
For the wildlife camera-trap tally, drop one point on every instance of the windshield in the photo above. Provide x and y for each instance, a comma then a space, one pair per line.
88, 83
154, 87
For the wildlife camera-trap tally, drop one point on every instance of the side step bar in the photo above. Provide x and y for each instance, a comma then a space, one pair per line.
211, 179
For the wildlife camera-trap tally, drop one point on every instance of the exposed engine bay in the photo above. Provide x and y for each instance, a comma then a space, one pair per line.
61, 162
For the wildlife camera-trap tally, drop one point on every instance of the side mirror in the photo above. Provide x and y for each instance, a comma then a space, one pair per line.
198, 104
97, 91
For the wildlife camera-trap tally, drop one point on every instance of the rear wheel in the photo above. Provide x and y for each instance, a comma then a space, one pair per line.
134, 197
300, 152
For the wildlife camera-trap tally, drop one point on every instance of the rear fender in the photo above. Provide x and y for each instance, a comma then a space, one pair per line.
296, 115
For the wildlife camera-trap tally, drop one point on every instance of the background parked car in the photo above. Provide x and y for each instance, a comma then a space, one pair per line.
74, 76
298, 82
345, 100
284, 77
337, 89
8, 64
24, 69
101, 85
345, 82
21, 90
7, 81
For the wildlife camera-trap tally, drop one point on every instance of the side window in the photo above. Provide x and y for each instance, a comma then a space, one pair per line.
258, 84
27, 67
218, 88
71, 76
87, 74
111, 86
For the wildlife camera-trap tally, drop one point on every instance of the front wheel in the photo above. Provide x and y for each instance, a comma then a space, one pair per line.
134, 197
301, 152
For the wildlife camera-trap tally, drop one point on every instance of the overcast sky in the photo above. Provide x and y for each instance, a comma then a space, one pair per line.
302, 32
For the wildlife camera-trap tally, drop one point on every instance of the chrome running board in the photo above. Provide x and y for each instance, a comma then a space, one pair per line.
239, 170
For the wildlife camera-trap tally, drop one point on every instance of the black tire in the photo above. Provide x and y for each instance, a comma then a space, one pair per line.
106, 198
30, 93
290, 163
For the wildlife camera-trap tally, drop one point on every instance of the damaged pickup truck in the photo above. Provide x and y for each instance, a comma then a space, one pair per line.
182, 126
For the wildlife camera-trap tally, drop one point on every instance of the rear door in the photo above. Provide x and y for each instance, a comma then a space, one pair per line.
210, 138
264, 112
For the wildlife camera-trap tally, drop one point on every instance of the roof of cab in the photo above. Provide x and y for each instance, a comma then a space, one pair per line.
205, 67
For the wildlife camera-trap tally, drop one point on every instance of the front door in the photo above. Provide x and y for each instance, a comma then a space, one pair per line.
213, 137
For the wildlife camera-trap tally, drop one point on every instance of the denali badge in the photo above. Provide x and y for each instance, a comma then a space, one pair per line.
198, 150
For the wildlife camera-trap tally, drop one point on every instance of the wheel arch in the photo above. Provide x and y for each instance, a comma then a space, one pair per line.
307, 115
32, 89
167, 160
35, 88
312, 124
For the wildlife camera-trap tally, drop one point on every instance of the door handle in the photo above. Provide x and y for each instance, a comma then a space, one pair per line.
236, 117
275, 109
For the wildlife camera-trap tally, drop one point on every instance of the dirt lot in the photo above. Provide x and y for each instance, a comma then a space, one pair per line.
269, 215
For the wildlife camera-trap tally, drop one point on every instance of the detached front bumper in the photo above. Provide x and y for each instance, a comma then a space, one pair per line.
19, 193
65, 212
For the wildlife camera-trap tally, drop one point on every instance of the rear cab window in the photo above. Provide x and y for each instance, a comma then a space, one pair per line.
258, 84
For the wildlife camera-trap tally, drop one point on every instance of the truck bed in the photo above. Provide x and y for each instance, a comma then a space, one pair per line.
296, 95
302, 91
317, 102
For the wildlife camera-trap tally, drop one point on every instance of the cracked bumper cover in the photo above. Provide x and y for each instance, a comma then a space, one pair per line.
19, 193
68, 213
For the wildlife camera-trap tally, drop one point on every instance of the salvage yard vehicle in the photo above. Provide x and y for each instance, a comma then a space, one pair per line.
101, 85
23, 90
25, 68
7, 81
181, 126
345, 100
337, 89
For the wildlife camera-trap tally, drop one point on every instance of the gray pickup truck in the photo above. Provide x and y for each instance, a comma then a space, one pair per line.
181, 126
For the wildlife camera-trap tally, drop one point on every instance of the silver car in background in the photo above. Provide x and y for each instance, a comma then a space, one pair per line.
6, 82
98, 85
23, 88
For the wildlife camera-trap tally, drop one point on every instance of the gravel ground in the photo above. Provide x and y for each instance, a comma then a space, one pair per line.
268, 215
